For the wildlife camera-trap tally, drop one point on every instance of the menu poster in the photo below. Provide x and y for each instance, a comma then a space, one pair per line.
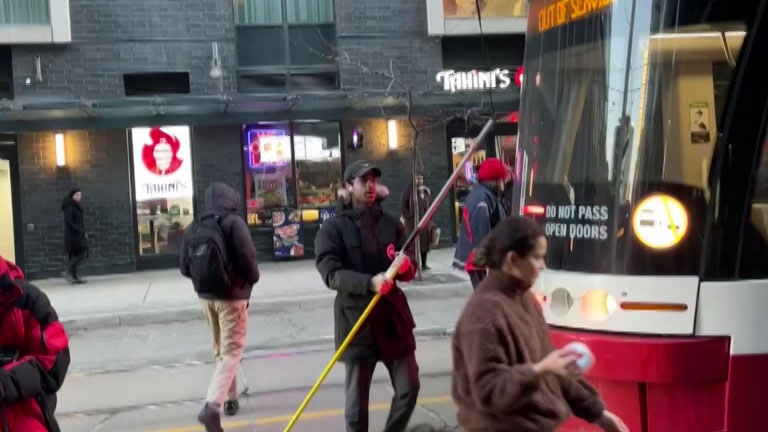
286, 233
326, 213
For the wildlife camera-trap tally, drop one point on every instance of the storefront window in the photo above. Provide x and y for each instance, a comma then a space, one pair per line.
269, 175
162, 174
317, 148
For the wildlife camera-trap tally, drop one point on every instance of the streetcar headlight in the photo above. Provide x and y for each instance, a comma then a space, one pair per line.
598, 305
660, 221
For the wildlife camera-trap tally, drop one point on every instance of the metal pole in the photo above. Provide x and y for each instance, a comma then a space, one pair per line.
391, 272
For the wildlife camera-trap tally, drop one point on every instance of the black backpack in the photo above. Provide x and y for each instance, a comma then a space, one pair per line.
206, 251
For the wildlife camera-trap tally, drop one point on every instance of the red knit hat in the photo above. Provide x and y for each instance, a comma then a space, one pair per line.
491, 170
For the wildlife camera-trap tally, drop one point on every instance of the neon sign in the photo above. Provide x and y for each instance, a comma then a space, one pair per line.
473, 80
564, 11
266, 147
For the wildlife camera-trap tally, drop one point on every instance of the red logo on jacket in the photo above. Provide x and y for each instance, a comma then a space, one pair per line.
161, 155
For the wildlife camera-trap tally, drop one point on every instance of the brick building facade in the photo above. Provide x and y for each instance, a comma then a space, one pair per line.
82, 92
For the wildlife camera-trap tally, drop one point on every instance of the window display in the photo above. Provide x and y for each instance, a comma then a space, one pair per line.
268, 171
271, 183
317, 147
162, 174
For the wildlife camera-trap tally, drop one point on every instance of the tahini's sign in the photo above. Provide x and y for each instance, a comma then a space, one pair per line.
161, 165
474, 80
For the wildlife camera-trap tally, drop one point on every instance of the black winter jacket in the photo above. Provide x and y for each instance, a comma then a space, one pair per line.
74, 227
223, 200
340, 259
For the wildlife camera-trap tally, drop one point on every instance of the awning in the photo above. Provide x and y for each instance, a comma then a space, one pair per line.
24, 115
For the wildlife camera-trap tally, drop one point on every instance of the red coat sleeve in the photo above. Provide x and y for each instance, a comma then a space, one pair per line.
45, 357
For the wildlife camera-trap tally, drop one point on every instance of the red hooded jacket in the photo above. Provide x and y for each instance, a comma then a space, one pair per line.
34, 355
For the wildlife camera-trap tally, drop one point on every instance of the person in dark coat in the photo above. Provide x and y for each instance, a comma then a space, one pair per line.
353, 251
35, 355
225, 307
75, 240
406, 211
482, 210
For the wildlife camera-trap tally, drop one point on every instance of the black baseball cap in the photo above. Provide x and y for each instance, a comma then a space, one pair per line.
359, 169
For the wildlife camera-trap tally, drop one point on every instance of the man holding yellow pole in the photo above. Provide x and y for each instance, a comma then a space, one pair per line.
353, 251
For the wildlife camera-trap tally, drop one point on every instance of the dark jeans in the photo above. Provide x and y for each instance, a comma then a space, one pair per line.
404, 375
75, 259
475, 277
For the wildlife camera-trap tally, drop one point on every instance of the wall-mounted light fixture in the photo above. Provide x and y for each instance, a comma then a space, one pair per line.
392, 133
61, 158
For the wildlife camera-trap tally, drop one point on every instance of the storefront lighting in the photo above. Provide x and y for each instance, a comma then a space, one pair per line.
392, 133
61, 158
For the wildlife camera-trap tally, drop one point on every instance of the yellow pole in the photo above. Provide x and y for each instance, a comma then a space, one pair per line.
391, 273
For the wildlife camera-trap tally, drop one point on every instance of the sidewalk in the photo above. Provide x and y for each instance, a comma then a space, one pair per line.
153, 297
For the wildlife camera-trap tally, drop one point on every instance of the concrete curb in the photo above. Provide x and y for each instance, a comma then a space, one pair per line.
192, 311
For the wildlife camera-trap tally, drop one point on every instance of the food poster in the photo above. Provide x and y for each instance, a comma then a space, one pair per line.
699, 112
287, 238
269, 191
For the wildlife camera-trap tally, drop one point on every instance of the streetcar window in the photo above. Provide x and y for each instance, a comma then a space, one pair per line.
754, 253
622, 100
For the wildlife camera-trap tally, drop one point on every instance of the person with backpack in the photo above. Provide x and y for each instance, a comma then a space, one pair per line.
483, 209
217, 253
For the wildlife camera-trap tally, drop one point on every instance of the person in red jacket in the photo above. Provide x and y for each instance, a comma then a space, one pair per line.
34, 355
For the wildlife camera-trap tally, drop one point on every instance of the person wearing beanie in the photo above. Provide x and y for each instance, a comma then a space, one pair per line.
75, 240
482, 210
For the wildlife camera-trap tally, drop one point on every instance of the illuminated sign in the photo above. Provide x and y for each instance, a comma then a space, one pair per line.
475, 80
162, 168
660, 221
564, 11
268, 147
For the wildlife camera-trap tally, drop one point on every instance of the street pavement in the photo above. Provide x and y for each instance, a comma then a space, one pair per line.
167, 399
141, 356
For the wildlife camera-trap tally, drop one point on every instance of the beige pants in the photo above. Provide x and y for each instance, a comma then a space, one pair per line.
228, 322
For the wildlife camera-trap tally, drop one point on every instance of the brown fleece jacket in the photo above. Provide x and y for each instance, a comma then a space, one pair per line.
501, 333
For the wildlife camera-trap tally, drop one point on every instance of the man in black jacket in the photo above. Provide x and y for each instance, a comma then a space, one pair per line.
225, 307
353, 251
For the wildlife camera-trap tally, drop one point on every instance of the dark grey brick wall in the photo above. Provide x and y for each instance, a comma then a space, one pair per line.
97, 162
396, 165
217, 157
112, 37
371, 33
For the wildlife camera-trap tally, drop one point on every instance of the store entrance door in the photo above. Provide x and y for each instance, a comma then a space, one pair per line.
10, 237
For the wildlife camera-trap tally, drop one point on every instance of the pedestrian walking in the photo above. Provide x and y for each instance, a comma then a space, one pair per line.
217, 253
507, 375
75, 238
483, 209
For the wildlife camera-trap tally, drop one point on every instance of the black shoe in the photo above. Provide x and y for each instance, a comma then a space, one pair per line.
231, 407
210, 418
426, 267
80, 281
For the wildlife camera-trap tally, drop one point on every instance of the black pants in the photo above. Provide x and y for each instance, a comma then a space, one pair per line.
75, 259
404, 375
424, 259
475, 277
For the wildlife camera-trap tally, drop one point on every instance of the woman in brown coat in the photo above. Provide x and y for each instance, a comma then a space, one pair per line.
406, 211
507, 376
